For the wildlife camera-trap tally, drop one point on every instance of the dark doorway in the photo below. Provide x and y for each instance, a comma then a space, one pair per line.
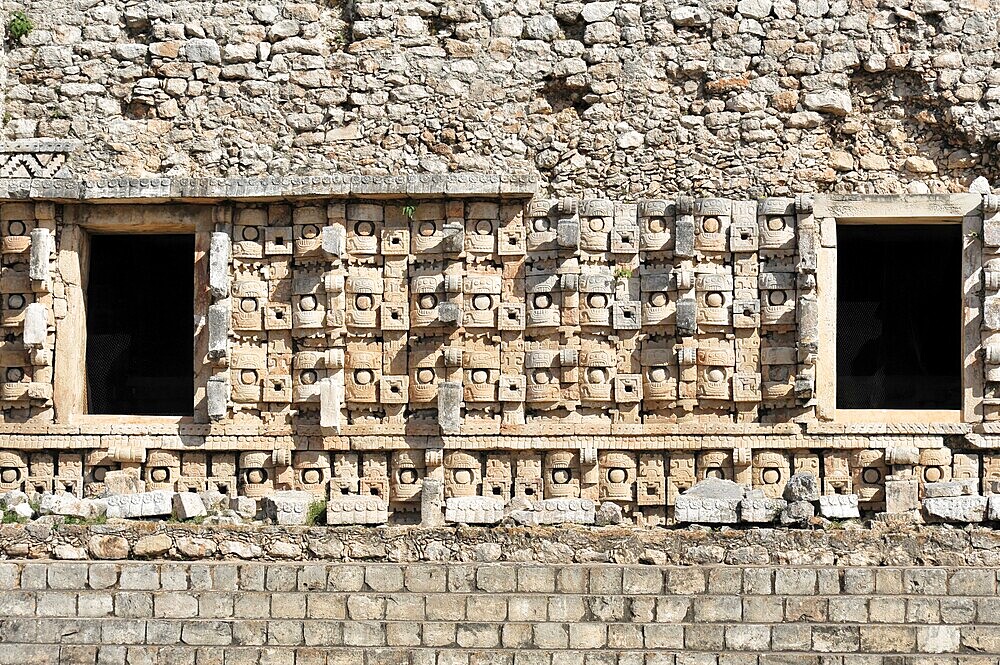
140, 325
899, 314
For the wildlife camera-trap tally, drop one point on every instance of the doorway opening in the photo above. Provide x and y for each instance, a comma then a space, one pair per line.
899, 315
140, 313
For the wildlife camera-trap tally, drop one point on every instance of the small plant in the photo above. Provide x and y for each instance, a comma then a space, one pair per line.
339, 37
19, 26
316, 513
409, 210
623, 272
7, 117
13, 518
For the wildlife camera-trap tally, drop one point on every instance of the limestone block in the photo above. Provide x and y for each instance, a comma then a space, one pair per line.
35, 324
144, 504
901, 494
188, 505
556, 511
24, 511
802, 487
123, 481
244, 506
218, 397
839, 506
449, 402
287, 508
956, 508
334, 240
356, 509
797, 512
993, 508
218, 265
757, 508
431, 502
68, 505
712, 501
609, 513
474, 510
41, 250
218, 329
964, 487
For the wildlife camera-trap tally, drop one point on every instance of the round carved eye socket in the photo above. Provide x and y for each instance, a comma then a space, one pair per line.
776, 298
365, 229
308, 377
14, 374
714, 299
657, 225
658, 374
480, 376
408, 476
425, 375
99, 473
658, 299
427, 301
10, 475
617, 476
15, 301
484, 227
541, 224
307, 303
248, 305
597, 300
482, 302
871, 476
596, 224
462, 476
426, 228
16, 228
160, 474
250, 233
716, 374
711, 225
771, 476
363, 302
256, 476
597, 375
248, 377
775, 223
363, 377
716, 472
933, 474
311, 476
542, 301
542, 376
310, 231
561, 476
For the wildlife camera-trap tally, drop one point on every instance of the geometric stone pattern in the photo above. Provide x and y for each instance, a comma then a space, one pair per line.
75, 612
541, 349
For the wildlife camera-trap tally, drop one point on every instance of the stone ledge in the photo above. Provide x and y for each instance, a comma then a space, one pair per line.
161, 189
879, 545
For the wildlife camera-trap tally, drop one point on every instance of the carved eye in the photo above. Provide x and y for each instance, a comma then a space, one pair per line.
307, 303
10, 474
658, 299
617, 476
310, 231
14, 374
657, 225
425, 375
365, 229
596, 224
542, 301
363, 302
776, 298
248, 377
484, 227
427, 301
250, 233
871, 476
363, 377
480, 376
311, 476
16, 228
597, 300
775, 223
771, 476
541, 224
716, 374
426, 229
15, 301
462, 476
711, 225
308, 377
542, 376
561, 476
714, 299
597, 375
160, 474
658, 374
256, 476
408, 476
248, 305
482, 302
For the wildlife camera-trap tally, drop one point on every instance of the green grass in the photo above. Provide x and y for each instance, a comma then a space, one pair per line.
316, 513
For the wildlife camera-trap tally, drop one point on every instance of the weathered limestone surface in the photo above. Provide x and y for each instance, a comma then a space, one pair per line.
613, 98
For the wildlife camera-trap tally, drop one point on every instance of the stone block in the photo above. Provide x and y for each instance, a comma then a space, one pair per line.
759, 509
797, 512
556, 511
802, 487
938, 639
839, 506
474, 510
712, 501
901, 495
956, 508
449, 404
35, 325
158, 503
951, 488
288, 507
188, 505
218, 265
356, 509
431, 500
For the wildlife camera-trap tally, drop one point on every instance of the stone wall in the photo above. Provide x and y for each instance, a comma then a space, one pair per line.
621, 99
499, 614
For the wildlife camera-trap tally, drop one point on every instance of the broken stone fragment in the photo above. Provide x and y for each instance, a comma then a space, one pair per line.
798, 512
356, 509
608, 513
711, 501
802, 487
964, 487
158, 503
839, 506
758, 509
556, 511
288, 508
244, 506
956, 508
188, 505
474, 510
123, 481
